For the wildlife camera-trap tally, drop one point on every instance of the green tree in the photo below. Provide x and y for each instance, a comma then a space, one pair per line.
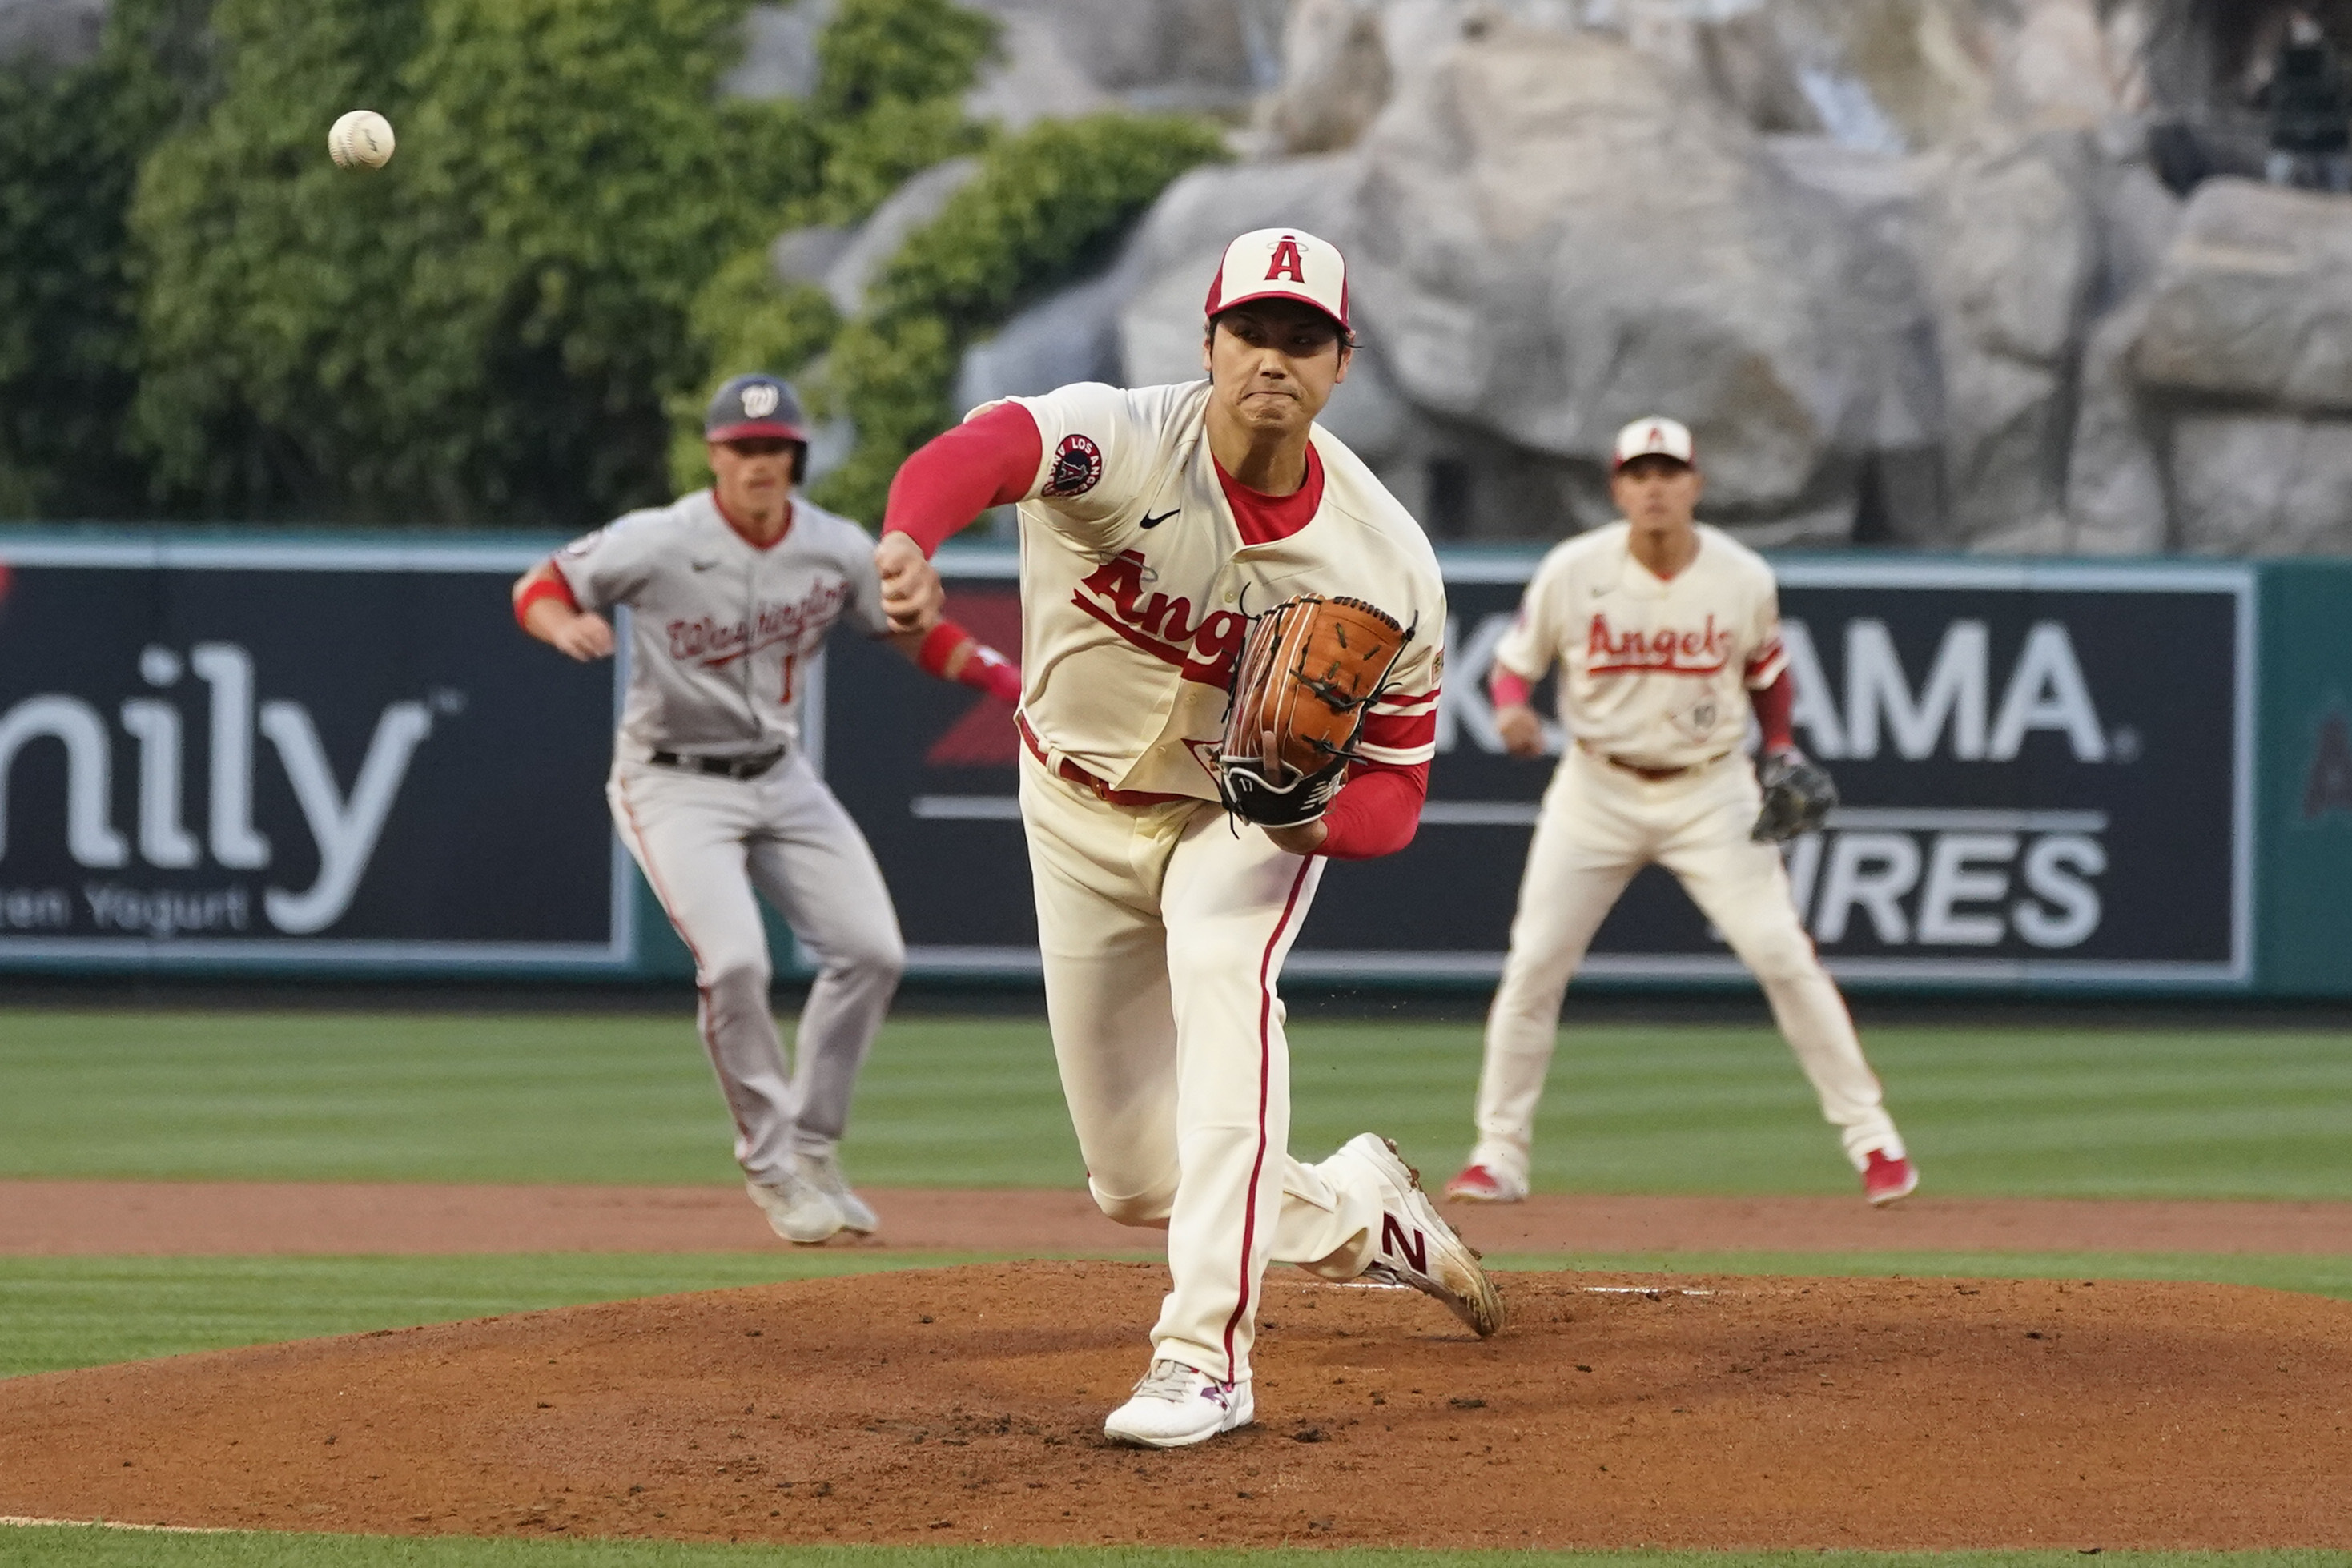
1047, 207
70, 143
499, 325
485, 330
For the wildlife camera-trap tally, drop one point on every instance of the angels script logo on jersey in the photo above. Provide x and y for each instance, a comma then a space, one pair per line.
1664, 651
1160, 624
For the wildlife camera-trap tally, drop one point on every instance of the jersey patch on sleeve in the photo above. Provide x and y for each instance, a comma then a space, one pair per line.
1077, 469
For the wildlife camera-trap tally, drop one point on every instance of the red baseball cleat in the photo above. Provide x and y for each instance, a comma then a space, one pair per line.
1479, 1184
1887, 1180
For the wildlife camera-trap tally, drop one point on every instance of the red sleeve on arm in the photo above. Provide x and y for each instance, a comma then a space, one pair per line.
1510, 690
552, 586
1376, 814
1774, 705
951, 653
984, 462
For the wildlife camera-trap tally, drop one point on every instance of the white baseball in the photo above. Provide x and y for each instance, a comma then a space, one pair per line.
360, 139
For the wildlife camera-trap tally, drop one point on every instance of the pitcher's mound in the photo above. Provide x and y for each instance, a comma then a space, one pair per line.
967, 1404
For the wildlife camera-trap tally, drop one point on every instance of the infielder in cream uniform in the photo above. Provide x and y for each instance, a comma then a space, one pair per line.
1153, 522
733, 592
1666, 632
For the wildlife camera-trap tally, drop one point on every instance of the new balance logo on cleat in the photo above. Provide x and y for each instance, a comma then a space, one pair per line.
1407, 1247
1417, 1248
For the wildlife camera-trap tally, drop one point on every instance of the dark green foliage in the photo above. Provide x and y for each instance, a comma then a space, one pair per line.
517, 320
1046, 207
873, 52
741, 320
485, 330
71, 141
498, 326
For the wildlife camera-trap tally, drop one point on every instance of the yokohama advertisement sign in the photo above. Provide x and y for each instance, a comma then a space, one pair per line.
2046, 774
287, 755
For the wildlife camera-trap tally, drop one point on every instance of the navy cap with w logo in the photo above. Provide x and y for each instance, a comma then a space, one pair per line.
750, 406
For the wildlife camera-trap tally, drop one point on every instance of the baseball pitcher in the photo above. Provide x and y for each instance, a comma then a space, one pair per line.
1667, 632
732, 592
1233, 638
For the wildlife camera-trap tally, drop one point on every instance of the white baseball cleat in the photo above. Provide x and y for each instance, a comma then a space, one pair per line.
1417, 1248
796, 1209
1482, 1183
823, 1172
1176, 1405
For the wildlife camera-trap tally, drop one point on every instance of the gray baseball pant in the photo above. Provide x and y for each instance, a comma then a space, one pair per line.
705, 843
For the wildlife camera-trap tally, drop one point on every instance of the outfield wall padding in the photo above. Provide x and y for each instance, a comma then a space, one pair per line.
251, 753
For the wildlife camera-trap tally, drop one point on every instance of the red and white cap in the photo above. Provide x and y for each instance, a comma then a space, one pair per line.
1282, 263
1656, 438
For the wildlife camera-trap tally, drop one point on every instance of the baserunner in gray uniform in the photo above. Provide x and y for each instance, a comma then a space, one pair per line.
732, 592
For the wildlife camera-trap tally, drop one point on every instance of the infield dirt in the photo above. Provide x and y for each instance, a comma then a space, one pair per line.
966, 1405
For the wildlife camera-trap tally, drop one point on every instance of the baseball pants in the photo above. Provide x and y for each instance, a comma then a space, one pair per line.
1164, 930
705, 843
1599, 825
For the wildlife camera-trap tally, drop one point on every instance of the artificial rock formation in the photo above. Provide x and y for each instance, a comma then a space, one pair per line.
1911, 268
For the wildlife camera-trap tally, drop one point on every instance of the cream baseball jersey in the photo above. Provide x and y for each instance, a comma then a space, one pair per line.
723, 630
1136, 586
1656, 672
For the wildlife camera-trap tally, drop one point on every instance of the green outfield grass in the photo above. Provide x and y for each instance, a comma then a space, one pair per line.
57, 1313
61, 1312
89, 1548
953, 1102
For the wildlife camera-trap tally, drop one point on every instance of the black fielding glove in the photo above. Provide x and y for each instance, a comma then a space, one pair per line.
1249, 796
1799, 795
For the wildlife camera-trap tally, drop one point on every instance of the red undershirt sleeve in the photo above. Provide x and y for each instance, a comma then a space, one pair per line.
554, 585
1775, 704
1376, 814
989, 461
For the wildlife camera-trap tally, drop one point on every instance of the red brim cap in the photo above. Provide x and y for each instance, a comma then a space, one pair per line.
1281, 264
757, 429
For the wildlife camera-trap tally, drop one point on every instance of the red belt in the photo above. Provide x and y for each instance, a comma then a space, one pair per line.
1087, 782
1650, 774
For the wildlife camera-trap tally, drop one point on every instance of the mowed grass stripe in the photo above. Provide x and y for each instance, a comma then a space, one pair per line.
975, 1103
57, 1313
85, 1547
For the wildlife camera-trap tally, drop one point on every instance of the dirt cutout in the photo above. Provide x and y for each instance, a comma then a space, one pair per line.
966, 1405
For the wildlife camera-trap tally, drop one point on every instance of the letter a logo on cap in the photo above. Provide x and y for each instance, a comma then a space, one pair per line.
1287, 262
1297, 267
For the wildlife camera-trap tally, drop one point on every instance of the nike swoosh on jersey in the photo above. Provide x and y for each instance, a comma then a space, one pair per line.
1150, 522
705, 565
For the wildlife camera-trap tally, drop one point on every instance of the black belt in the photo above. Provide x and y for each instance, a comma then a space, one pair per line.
749, 767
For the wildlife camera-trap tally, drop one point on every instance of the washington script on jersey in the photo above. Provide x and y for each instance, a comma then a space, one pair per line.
221, 763
2045, 772
796, 627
